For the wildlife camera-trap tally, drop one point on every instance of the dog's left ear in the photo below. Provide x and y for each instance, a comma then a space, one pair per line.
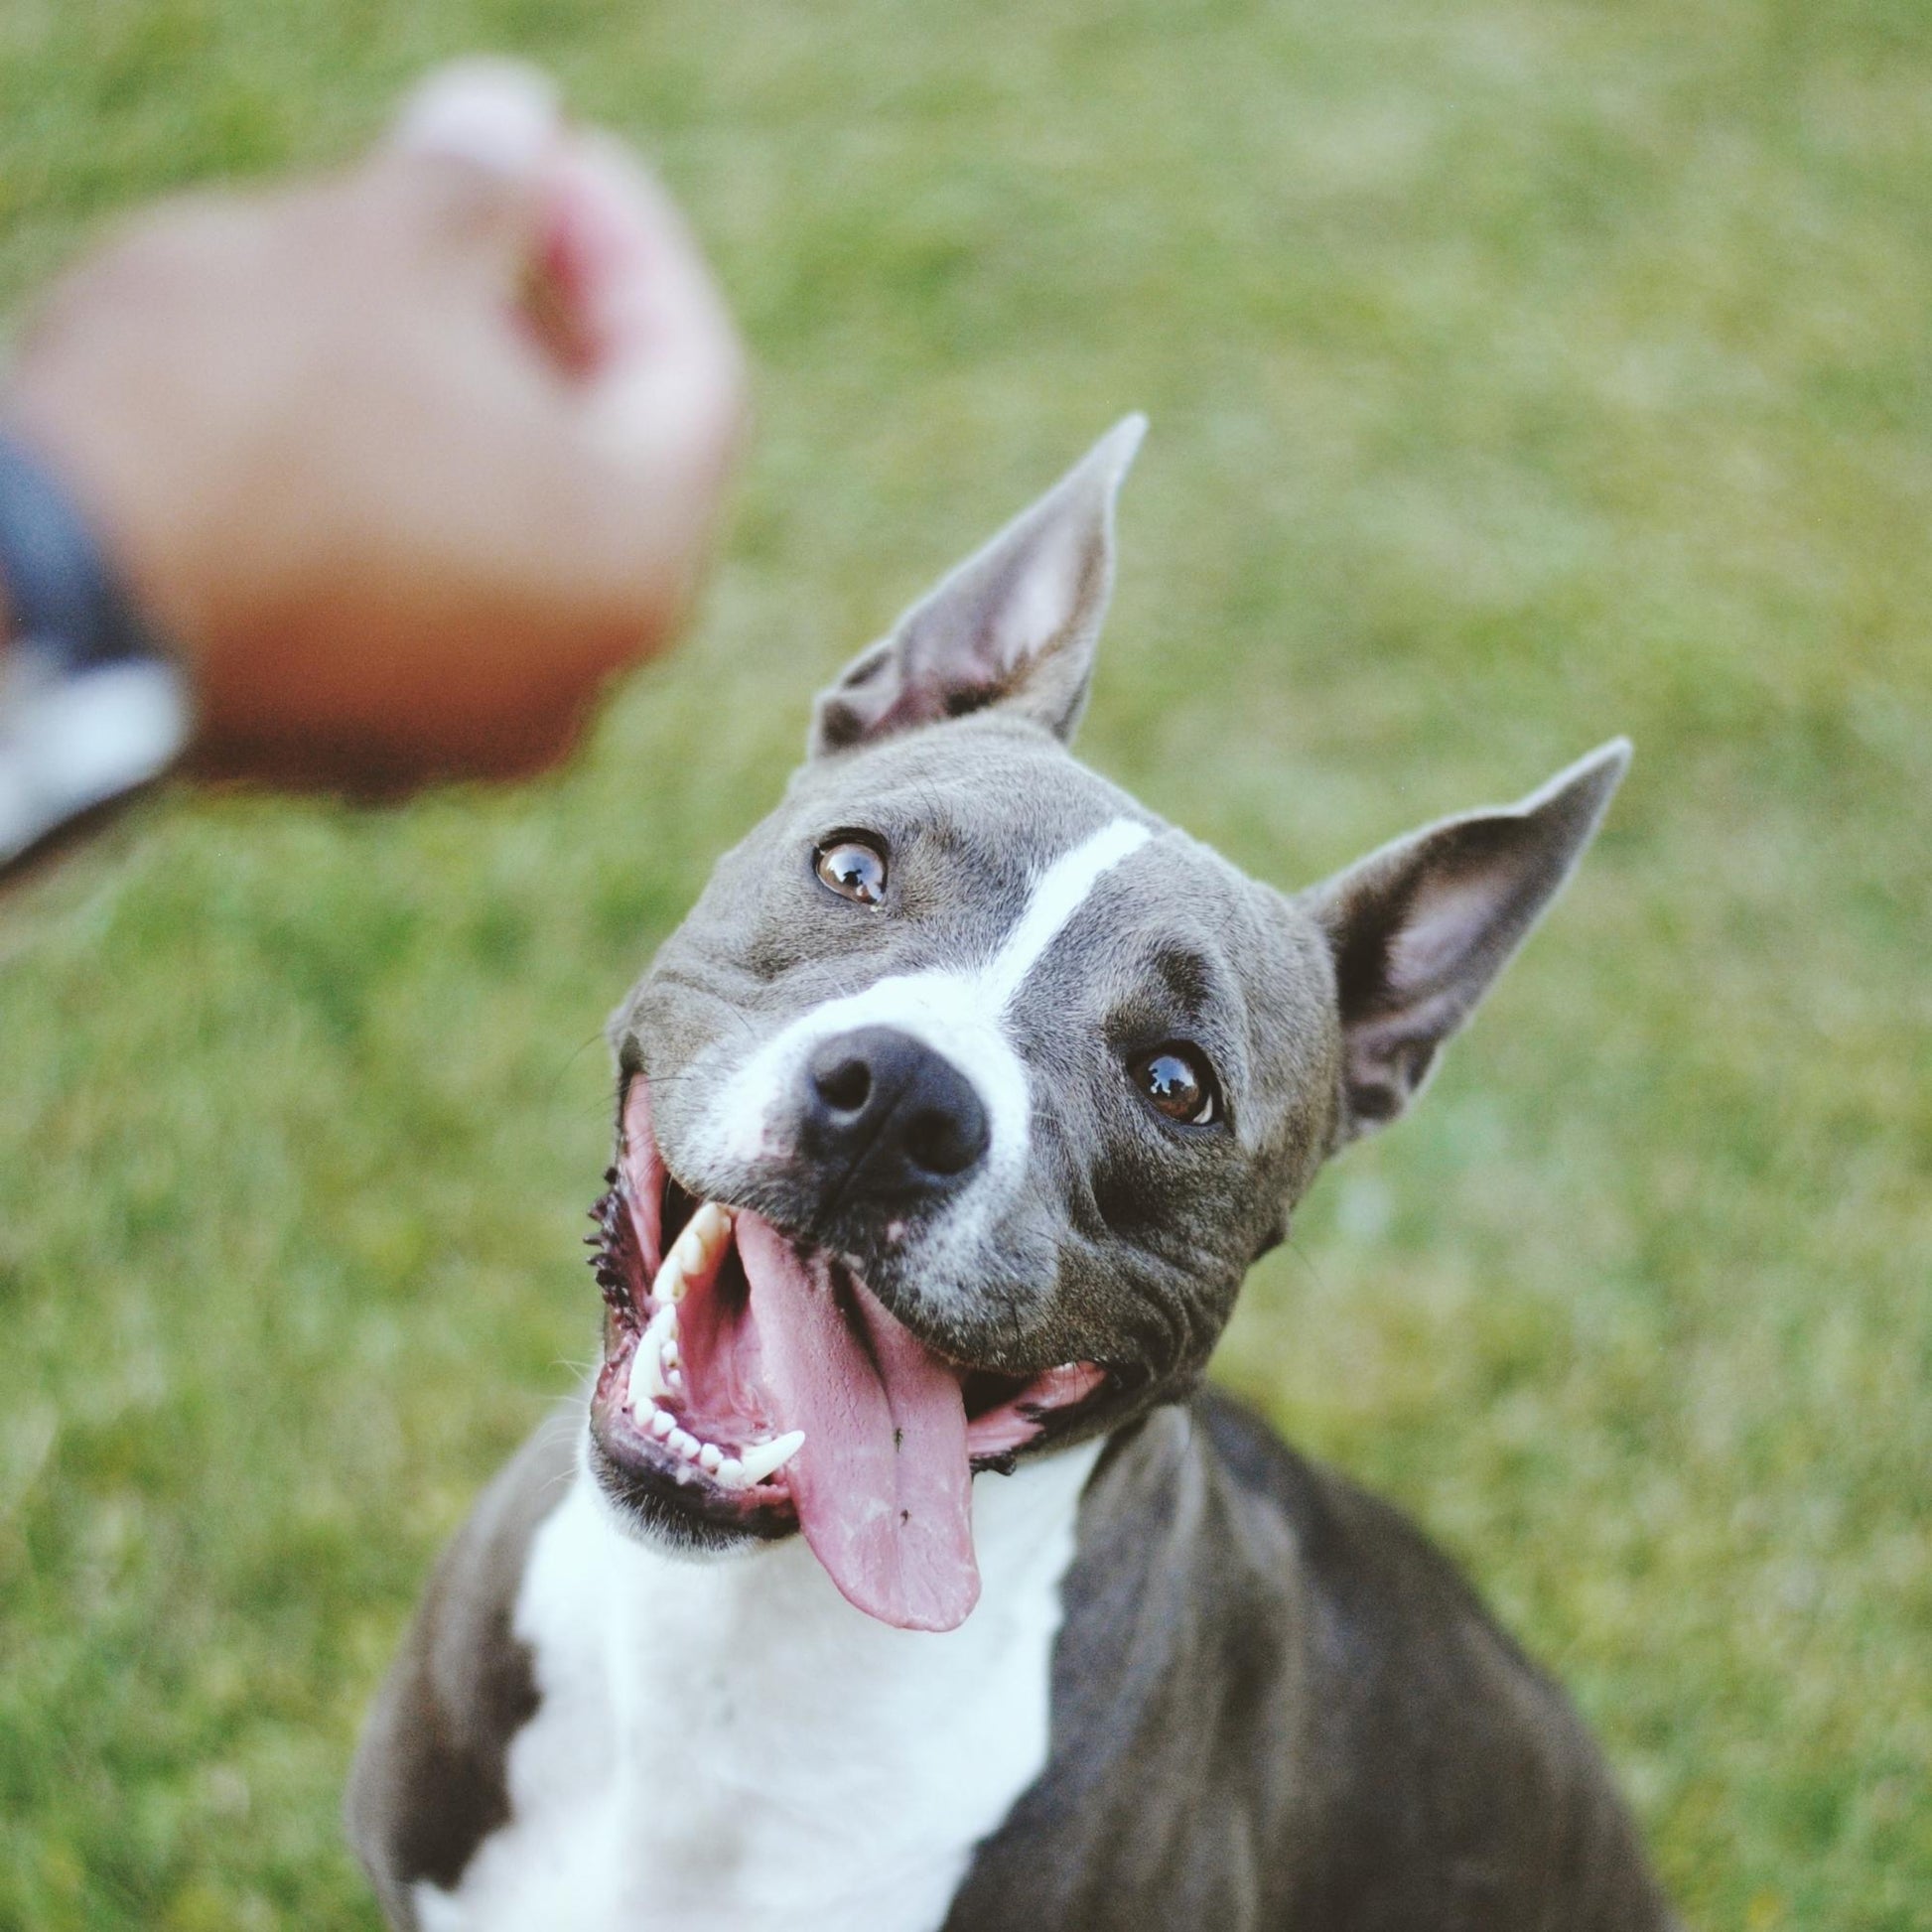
1419, 929
1014, 626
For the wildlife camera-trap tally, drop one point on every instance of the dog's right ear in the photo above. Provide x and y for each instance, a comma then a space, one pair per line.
1014, 626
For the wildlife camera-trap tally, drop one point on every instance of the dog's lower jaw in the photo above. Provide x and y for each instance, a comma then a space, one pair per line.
848, 1768
642, 1510
753, 1384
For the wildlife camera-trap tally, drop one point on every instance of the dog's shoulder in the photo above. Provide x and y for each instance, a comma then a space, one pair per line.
1275, 1702
1458, 1782
1177, 1710
429, 1780
1365, 1567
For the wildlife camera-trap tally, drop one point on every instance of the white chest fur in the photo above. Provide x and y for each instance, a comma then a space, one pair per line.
729, 1747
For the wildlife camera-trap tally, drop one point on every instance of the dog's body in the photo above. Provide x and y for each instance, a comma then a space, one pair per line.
978, 1090
1273, 1706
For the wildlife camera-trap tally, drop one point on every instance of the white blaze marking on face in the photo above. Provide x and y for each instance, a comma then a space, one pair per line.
1059, 893
959, 1012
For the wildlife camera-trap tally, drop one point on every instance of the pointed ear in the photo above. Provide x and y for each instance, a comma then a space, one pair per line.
1419, 929
1014, 626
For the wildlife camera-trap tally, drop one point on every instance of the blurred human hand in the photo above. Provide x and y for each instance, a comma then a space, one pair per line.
411, 461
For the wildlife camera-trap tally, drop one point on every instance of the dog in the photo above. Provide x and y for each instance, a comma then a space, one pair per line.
899, 1571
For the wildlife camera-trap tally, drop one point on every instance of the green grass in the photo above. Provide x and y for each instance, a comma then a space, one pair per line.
1519, 374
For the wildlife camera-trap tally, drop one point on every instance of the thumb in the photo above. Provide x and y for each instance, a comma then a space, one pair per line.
467, 158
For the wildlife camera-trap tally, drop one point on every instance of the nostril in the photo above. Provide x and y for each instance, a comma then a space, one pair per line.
845, 1085
945, 1141
886, 1117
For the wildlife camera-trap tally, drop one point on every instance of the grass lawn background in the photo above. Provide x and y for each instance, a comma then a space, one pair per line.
1519, 375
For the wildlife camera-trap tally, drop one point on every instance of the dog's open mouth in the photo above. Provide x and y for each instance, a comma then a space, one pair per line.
755, 1383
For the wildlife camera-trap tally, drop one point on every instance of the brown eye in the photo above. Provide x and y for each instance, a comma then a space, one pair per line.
854, 870
1177, 1081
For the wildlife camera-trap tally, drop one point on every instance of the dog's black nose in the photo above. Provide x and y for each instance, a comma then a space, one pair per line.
887, 1119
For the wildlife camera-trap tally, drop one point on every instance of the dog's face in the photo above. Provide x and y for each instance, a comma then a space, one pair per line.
954, 1114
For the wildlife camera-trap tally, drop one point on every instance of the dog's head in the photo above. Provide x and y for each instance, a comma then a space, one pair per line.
954, 1114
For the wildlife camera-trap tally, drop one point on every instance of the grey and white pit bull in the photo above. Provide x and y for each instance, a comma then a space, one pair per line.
903, 1574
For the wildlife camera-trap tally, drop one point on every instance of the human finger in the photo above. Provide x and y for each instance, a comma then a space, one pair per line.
662, 367
462, 172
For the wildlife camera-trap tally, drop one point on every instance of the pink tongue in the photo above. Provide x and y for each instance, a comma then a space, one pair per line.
882, 1486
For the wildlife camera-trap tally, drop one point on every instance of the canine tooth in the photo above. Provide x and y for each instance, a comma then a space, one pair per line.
684, 1443
767, 1459
637, 1389
661, 1423
731, 1472
669, 1285
647, 1379
707, 1234
661, 1329
710, 1458
696, 1252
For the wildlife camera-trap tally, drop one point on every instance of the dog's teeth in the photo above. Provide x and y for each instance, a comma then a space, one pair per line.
660, 1332
767, 1459
648, 1382
669, 1285
696, 1253
683, 1443
648, 1385
661, 1423
731, 1472
706, 1236
670, 1353
711, 1459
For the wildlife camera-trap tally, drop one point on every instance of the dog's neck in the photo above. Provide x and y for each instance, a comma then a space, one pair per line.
765, 1604
674, 1689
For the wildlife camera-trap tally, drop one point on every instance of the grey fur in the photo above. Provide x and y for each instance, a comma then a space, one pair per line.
972, 643
429, 1783
1274, 1704
1129, 1236
1476, 885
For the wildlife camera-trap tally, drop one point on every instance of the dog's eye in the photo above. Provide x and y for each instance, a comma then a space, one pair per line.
853, 868
1178, 1079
